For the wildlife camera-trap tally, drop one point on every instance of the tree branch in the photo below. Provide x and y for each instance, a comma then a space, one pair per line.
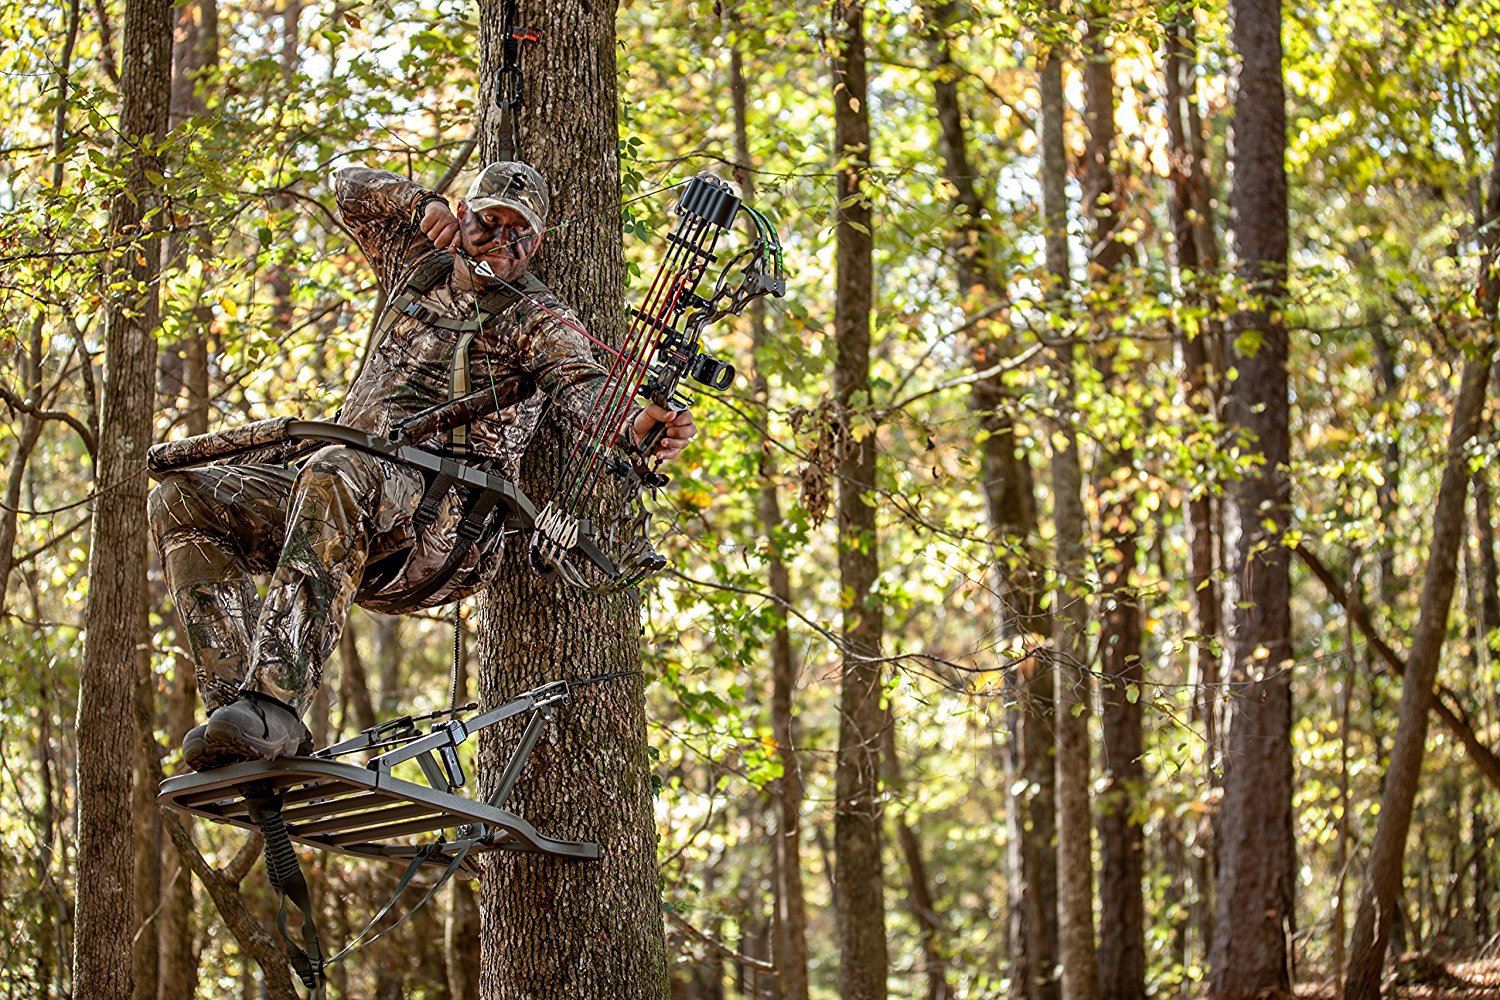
1484, 758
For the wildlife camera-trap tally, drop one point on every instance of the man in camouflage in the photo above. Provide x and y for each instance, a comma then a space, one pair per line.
317, 528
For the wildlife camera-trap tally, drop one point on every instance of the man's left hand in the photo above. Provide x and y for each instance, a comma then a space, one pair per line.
680, 429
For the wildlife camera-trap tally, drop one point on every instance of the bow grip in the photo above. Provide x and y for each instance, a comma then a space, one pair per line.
659, 430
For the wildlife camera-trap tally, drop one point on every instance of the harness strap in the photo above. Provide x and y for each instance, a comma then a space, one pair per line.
471, 529
424, 853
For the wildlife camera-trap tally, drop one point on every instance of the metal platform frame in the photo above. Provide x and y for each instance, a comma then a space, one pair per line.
366, 812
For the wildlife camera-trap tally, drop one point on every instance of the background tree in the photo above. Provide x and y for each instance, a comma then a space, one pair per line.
109, 737
1257, 855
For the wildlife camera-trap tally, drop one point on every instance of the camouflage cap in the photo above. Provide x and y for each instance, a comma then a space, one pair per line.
511, 184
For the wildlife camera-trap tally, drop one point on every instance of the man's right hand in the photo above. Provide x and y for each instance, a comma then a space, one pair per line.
440, 225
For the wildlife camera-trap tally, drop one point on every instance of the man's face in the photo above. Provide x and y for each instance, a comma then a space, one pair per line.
498, 236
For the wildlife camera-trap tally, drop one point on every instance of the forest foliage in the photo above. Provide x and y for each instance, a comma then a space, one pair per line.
1392, 114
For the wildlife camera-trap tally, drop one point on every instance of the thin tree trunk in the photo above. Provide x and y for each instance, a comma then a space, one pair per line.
48, 950
789, 912
1199, 336
1070, 657
461, 942
145, 815
31, 363
108, 733
354, 686
1485, 760
177, 963
1257, 874
1011, 506
921, 901
863, 959
550, 927
1343, 835
1122, 932
1372, 923
1487, 569
253, 940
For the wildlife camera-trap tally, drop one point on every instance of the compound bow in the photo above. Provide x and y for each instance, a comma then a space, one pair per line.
662, 349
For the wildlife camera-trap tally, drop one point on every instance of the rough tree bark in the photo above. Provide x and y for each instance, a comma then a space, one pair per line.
1069, 652
553, 928
1011, 507
1372, 921
863, 959
1254, 916
789, 914
1122, 931
108, 733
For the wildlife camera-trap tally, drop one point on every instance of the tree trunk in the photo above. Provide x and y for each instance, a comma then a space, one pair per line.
555, 928
1372, 925
1257, 855
1199, 335
1011, 506
145, 814
1487, 568
858, 872
1070, 657
1122, 932
789, 912
921, 901
108, 734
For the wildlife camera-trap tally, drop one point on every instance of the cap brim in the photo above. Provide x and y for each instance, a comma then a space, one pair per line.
480, 204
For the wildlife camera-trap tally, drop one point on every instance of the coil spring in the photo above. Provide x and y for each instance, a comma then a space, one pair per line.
281, 858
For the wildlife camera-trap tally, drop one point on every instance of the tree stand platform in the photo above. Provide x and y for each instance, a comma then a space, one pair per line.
365, 811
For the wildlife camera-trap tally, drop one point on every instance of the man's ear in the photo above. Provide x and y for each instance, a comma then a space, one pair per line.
461, 210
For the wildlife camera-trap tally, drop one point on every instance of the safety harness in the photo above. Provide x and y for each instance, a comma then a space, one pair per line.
463, 406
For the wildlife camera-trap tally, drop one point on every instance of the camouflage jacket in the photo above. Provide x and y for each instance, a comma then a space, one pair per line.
409, 370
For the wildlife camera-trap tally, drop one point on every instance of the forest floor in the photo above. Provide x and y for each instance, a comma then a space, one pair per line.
1429, 979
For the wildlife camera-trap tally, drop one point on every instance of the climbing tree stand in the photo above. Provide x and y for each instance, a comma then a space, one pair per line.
362, 809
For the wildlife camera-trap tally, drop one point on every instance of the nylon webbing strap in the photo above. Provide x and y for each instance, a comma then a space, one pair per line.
424, 853
470, 529
285, 874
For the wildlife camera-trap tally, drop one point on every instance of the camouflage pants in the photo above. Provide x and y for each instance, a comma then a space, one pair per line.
314, 529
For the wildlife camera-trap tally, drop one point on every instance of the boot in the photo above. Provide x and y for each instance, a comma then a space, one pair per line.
197, 756
254, 727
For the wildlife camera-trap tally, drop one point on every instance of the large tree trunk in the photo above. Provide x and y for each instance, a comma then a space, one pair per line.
1257, 875
1070, 656
1011, 506
856, 832
1122, 931
555, 928
1372, 923
108, 733
789, 913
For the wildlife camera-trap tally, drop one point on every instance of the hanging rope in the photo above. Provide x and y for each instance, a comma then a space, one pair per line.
510, 81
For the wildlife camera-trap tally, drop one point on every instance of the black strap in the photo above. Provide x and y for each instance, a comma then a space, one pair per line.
285, 874
471, 528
